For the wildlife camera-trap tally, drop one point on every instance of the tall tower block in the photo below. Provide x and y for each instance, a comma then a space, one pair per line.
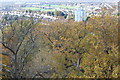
80, 15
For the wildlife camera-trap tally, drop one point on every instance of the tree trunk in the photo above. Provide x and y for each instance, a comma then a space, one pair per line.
15, 68
78, 62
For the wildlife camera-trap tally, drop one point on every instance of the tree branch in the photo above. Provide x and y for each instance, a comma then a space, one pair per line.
48, 38
8, 48
25, 59
22, 41
4, 54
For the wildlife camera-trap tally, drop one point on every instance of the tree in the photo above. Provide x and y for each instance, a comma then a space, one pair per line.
95, 41
87, 49
18, 43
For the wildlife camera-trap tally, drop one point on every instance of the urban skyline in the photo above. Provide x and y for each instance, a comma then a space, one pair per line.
59, 1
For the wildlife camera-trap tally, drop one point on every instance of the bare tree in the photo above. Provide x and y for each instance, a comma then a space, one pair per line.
18, 43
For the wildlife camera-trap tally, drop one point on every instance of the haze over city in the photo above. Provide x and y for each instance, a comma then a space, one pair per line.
59, 0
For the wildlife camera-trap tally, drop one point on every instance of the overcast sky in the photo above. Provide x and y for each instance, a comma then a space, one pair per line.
62, 0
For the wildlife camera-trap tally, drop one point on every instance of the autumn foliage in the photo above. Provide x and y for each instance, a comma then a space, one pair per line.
79, 49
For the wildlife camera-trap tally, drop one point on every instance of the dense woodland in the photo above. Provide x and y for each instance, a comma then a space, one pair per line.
61, 49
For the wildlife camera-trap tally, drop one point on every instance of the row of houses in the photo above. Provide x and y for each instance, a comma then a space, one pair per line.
27, 14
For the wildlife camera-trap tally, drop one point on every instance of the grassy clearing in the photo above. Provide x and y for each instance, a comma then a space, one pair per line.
54, 6
32, 8
38, 9
62, 6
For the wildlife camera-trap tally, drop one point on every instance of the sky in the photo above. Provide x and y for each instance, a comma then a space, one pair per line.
61, 0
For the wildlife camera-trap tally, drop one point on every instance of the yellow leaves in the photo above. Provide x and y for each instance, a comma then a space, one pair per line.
72, 75
95, 61
5, 60
96, 47
62, 38
54, 75
115, 73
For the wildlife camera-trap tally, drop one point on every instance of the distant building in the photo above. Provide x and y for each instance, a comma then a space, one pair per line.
80, 15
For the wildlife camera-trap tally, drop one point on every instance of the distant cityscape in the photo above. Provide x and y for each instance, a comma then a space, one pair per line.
51, 11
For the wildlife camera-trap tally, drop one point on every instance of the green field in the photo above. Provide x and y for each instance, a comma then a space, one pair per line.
47, 10
37, 9
54, 6
32, 8
62, 6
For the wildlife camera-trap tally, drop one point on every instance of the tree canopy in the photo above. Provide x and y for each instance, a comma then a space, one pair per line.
66, 48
